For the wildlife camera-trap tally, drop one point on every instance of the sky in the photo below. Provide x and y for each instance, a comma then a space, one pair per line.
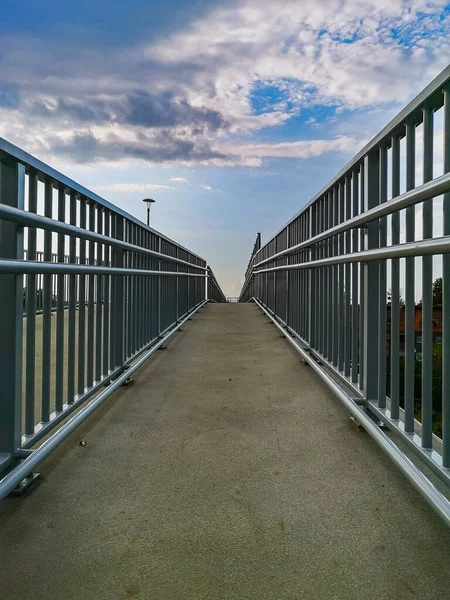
231, 114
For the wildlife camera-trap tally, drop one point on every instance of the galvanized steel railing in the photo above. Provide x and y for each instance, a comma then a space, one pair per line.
215, 293
334, 278
100, 292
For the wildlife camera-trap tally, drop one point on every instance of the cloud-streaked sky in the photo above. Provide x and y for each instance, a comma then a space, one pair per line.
232, 114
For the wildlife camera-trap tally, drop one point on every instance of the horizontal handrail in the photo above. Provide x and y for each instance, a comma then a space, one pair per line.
426, 191
44, 172
26, 267
27, 219
423, 248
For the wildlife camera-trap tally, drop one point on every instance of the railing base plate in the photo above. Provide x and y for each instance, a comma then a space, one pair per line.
25, 484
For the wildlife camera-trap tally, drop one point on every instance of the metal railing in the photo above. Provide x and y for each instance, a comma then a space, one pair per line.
215, 293
333, 278
100, 292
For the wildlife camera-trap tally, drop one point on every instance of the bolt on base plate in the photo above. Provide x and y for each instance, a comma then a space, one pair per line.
25, 484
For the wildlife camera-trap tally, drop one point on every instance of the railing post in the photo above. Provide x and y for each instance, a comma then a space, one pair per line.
177, 267
12, 185
286, 260
159, 287
208, 283
371, 282
446, 297
118, 298
313, 300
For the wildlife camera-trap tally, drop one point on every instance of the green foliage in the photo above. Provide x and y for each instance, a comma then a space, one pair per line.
436, 388
437, 292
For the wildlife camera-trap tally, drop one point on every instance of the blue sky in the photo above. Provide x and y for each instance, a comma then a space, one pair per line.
231, 114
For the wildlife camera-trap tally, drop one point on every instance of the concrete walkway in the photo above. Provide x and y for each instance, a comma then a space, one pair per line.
227, 471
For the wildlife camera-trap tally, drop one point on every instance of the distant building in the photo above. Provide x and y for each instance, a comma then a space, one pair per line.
437, 329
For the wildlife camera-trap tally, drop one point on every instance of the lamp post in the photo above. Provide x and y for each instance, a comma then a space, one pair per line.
149, 202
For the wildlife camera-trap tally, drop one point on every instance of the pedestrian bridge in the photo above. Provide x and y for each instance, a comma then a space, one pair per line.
159, 441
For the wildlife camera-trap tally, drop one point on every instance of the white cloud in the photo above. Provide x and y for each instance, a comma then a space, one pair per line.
251, 154
340, 53
179, 179
303, 47
207, 187
135, 187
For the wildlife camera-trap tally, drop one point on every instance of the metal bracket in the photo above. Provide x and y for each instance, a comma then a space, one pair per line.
374, 416
360, 401
23, 453
25, 484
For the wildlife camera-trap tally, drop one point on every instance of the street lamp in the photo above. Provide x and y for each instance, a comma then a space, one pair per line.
149, 202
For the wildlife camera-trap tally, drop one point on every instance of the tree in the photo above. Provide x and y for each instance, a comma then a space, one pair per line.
437, 292
401, 301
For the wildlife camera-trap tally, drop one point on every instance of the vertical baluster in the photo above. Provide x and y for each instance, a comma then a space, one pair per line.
313, 300
286, 277
60, 305
314, 224
323, 278
410, 285
341, 285
382, 315
395, 288
82, 306
72, 304
91, 304
177, 288
143, 280
427, 289
362, 246
106, 296
306, 275
47, 309
355, 273
99, 301
112, 316
335, 285
446, 297
347, 285
31, 312
188, 286
371, 281
148, 306
12, 193
118, 297
301, 280
130, 282
329, 354
159, 283
138, 295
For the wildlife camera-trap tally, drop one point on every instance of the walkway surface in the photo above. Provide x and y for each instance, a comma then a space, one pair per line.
227, 471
